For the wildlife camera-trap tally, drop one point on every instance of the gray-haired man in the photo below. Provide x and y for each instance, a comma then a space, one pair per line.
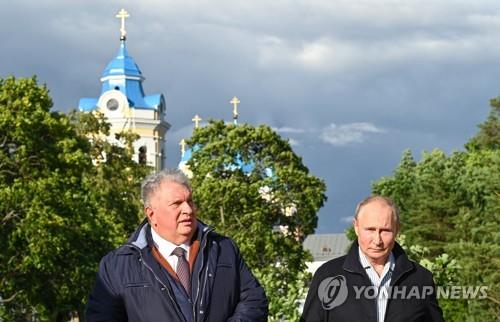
175, 268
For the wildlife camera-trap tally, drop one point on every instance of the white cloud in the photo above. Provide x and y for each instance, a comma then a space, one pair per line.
346, 134
293, 142
330, 54
316, 53
287, 129
347, 219
348, 36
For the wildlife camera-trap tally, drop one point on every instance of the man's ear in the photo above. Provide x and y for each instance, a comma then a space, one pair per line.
150, 214
355, 225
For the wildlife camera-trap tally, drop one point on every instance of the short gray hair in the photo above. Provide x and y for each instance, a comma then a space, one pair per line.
387, 201
152, 182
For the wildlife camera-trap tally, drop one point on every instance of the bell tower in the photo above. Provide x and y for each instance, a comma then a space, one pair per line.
126, 107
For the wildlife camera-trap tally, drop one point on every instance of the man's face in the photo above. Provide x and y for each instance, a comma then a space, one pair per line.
172, 212
376, 231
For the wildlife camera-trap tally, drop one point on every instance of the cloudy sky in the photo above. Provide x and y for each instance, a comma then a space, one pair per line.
351, 83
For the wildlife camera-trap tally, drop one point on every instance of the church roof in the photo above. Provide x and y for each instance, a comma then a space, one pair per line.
123, 74
87, 104
238, 163
122, 64
153, 100
186, 155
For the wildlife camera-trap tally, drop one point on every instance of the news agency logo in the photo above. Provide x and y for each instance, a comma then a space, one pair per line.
332, 292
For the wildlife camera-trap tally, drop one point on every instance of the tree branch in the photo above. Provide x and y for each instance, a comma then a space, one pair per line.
493, 299
239, 221
222, 215
7, 300
11, 214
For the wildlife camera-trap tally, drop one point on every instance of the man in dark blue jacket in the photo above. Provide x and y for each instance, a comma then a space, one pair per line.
375, 281
175, 268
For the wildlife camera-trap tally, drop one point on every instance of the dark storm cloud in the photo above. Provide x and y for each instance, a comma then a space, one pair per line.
350, 83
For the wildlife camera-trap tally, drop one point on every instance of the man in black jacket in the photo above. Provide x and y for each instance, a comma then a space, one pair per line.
175, 268
375, 281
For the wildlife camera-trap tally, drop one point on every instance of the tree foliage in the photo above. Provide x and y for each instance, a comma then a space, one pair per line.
250, 185
59, 212
488, 136
450, 204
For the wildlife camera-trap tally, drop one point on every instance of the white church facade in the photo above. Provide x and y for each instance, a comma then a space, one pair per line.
127, 108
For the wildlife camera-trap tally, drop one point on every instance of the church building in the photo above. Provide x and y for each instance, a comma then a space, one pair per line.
126, 107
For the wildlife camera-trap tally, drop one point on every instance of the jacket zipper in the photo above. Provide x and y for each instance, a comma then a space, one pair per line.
179, 314
400, 276
394, 283
204, 283
202, 249
367, 279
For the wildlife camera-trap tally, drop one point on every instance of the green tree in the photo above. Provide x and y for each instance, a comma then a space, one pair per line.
59, 213
488, 136
450, 206
250, 185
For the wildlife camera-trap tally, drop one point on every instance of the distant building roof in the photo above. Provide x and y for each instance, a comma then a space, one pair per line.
324, 247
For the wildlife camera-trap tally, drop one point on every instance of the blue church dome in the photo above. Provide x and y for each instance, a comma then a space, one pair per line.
122, 74
122, 64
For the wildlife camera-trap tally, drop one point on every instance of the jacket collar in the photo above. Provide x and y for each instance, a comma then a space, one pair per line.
141, 238
403, 264
352, 263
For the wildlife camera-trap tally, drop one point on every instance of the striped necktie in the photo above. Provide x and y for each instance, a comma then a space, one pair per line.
182, 269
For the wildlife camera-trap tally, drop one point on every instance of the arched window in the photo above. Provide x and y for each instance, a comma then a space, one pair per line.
143, 156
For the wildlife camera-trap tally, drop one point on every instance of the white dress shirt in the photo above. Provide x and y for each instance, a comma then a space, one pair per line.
166, 248
381, 282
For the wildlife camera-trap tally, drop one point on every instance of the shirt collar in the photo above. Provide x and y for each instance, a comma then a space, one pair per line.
389, 265
166, 247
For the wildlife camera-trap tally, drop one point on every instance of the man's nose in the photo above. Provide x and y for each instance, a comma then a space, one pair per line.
187, 208
378, 238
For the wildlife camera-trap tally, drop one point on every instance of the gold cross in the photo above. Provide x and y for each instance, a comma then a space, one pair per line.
122, 14
183, 147
235, 101
196, 119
